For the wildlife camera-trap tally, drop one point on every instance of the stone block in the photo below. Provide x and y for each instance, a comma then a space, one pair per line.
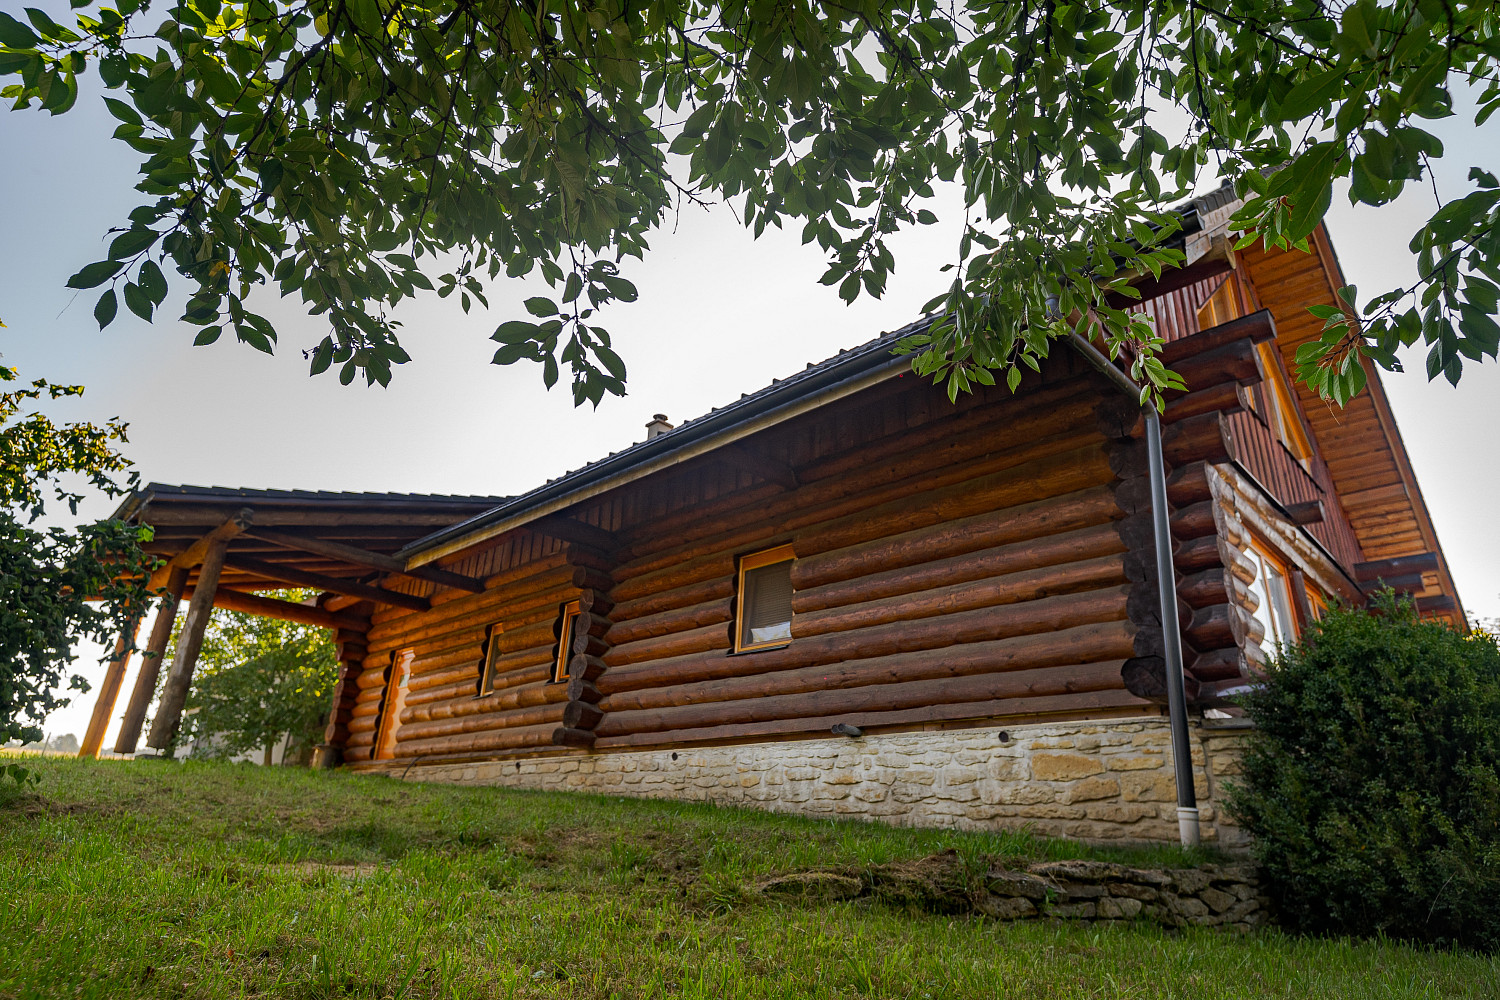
1216, 900
1005, 907
1134, 762
1072, 911
1090, 789
1148, 786
1112, 908
1064, 767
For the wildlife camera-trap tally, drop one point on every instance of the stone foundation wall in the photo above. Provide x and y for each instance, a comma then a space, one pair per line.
1095, 781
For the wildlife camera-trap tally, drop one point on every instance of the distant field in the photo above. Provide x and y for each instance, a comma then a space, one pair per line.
204, 880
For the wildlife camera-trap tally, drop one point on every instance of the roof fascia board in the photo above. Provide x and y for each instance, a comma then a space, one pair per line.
1387, 418
454, 540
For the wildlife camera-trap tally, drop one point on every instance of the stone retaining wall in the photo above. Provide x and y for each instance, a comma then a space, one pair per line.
1095, 781
1226, 896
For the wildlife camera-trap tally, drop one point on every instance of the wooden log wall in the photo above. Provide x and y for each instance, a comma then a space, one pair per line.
954, 563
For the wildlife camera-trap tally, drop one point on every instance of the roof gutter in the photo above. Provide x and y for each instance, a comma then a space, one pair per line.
792, 399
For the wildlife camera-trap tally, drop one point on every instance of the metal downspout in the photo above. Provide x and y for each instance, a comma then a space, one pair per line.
1166, 592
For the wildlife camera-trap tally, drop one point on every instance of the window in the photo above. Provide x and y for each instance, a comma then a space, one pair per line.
392, 702
491, 654
1222, 306
1273, 401
567, 618
1272, 588
763, 610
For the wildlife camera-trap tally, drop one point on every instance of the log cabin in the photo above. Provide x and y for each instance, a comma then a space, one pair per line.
844, 595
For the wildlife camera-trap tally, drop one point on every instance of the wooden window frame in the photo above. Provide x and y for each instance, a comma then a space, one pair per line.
1265, 554
751, 561
392, 701
1283, 417
566, 616
487, 668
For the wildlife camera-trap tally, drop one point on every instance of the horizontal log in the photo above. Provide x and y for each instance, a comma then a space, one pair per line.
1195, 520
1038, 553
587, 623
1200, 554
1188, 484
1020, 524
1413, 583
1307, 512
714, 612
564, 737
270, 607
1437, 604
588, 578
1209, 586
583, 689
673, 599
500, 739
522, 696
1146, 677
1228, 397
589, 668
338, 585
1080, 644
1082, 705
1049, 614
1220, 664
589, 645
595, 602
695, 571
527, 571
877, 697
1426, 562
1257, 327
364, 557
581, 715
1236, 361
1204, 438
1220, 625
707, 637
482, 722
1026, 585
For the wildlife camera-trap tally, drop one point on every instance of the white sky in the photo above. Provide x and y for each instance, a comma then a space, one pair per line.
719, 315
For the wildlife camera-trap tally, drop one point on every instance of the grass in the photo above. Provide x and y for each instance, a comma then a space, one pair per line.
207, 880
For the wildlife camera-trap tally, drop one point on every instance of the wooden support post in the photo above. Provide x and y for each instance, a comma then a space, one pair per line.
109, 689
156, 648
174, 695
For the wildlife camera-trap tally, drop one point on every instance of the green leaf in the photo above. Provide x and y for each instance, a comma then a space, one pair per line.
1310, 94
95, 274
131, 242
15, 34
105, 308
137, 302
540, 305
207, 335
152, 282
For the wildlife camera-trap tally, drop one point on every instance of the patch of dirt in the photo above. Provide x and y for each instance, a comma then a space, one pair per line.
363, 869
34, 806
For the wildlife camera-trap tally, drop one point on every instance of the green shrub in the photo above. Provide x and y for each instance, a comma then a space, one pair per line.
1372, 780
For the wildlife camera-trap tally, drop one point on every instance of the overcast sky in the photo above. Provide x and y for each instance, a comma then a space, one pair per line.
719, 315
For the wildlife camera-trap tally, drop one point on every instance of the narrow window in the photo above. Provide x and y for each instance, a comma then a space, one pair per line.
491, 654
1281, 413
392, 702
1273, 590
567, 619
763, 611
1222, 306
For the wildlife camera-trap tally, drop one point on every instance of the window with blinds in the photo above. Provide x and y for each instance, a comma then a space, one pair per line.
764, 609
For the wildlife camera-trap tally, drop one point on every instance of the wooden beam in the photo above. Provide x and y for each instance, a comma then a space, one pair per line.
109, 689
568, 530
193, 554
271, 607
305, 578
1307, 512
364, 557
151, 659
168, 514
1388, 569
174, 696
743, 457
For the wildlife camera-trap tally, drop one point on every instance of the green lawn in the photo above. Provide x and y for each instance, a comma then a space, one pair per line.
204, 880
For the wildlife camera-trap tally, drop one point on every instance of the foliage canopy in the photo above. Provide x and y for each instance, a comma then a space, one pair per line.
47, 576
259, 681
343, 149
1372, 783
